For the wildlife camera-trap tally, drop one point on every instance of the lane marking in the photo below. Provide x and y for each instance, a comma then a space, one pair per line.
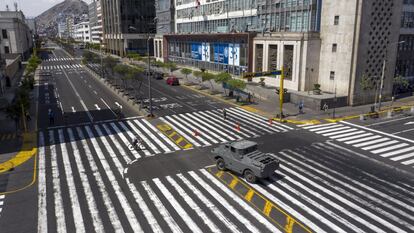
80, 99
97, 107
73, 109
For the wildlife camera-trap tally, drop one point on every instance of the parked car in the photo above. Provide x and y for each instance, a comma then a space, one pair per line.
172, 80
244, 158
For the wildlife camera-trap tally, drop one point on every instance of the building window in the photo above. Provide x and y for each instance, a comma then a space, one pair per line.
332, 75
334, 47
336, 20
4, 33
6, 49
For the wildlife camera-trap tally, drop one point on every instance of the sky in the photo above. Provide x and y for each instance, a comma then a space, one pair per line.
31, 8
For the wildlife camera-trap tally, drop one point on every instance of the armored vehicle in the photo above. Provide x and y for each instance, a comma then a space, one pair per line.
243, 158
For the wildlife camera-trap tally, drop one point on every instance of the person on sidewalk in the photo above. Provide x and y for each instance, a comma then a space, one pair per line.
224, 114
51, 117
301, 107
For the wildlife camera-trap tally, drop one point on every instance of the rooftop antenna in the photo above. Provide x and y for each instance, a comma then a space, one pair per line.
7, 8
15, 6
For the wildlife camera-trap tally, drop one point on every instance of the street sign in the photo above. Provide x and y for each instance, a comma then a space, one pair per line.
260, 74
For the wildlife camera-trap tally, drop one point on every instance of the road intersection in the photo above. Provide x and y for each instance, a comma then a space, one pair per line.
335, 177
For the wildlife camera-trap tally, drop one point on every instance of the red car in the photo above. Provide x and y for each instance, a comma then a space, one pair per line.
172, 80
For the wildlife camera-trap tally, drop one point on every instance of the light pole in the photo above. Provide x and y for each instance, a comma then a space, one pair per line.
383, 73
150, 114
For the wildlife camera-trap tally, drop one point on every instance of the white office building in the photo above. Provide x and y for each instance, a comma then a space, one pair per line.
82, 32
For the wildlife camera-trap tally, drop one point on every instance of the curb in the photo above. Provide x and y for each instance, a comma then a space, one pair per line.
385, 111
27, 151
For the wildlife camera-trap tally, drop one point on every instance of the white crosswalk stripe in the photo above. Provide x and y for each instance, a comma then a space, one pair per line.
381, 144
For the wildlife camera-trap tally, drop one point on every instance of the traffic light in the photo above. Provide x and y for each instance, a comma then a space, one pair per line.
285, 90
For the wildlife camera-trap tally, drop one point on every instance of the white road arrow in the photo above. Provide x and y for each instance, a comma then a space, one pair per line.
97, 107
73, 109
409, 123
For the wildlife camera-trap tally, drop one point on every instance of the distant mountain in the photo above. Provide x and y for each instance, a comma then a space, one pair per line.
47, 21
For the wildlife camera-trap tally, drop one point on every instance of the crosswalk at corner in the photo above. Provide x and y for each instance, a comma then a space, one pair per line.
378, 143
61, 67
311, 191
60, 59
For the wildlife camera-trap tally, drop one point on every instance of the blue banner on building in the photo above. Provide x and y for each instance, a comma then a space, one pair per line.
196, 51
221, 53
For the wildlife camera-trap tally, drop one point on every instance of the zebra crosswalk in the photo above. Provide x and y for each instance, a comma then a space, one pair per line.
205, 128
60, 59
208, 125
317, 185
82, 189
61, 67
386, 146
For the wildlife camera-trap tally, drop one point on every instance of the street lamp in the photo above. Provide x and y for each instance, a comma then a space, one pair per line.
150, 114
383, 73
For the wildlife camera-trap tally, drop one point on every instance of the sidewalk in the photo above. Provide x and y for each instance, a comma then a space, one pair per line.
17, 150
266, 101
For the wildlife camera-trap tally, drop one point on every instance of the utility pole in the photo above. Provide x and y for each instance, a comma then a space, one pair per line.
381, 83
383, 73
334, 105
149, 78
102, 68
281, 92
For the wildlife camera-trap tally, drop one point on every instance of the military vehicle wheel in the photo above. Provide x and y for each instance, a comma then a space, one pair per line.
249, 176
220, 164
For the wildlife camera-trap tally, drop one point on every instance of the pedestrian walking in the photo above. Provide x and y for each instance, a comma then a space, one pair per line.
224, 114
51, 117
301, 107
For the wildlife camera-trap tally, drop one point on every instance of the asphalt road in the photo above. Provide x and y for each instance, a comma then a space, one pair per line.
332, 178
74, 95
166, 99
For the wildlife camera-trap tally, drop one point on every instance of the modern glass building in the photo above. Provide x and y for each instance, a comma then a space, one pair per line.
405, 59
127, 25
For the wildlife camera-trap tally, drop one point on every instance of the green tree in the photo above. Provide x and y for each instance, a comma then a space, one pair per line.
197, 73
171, 66
121, 70
20, 105
237, 85
206, 76
186, 72
400, 85
223, 77
110, 63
